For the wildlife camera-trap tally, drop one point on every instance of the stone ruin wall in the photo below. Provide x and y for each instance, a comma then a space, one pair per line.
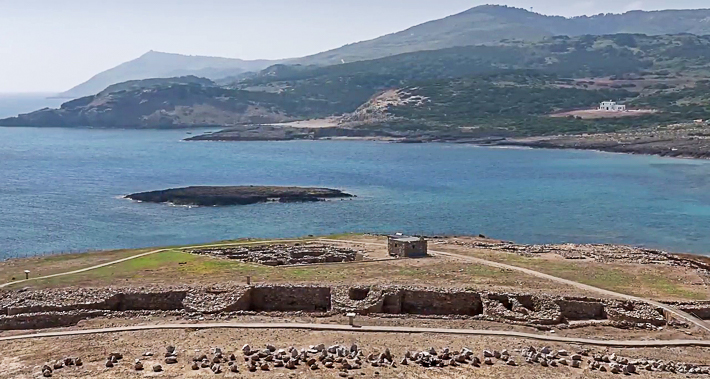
28, 309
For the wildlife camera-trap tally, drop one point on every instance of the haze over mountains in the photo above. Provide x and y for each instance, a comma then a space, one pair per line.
154, 64
488, 24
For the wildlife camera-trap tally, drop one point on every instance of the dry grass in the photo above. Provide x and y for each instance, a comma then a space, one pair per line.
179, 267
658, 282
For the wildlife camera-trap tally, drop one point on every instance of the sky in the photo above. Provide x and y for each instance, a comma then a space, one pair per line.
53, 45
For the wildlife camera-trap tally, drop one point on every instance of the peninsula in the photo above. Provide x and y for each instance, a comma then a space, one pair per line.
237, 195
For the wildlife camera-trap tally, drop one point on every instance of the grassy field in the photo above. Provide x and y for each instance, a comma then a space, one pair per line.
43, 265
178, 267
650, 281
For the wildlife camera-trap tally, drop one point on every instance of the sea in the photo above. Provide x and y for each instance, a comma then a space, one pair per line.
61, 190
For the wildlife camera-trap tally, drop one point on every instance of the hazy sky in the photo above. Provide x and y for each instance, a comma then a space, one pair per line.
52, 45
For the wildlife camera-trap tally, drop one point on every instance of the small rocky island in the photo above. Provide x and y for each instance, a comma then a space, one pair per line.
237, 195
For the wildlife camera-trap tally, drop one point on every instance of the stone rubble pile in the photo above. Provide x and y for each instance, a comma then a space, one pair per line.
619, 364
316, 357
283, 254
49, 369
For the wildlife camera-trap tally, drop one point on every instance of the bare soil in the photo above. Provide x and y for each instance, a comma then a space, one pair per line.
23, 359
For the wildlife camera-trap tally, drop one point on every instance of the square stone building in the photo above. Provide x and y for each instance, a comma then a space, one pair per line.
407, 246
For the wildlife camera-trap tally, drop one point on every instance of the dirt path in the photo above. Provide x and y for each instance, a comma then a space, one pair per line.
139, 256
672, 310
371, 329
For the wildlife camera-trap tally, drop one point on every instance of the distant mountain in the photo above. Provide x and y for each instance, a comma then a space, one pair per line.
506, 88
489, 24
165, 65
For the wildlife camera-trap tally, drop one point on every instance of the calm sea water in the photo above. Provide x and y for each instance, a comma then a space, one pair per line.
12, 104
60, 190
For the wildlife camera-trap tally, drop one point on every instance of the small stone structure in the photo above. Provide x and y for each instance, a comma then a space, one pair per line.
406, 246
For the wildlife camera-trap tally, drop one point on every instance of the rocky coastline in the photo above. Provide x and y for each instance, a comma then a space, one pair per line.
237, 195
683, 142
691, 142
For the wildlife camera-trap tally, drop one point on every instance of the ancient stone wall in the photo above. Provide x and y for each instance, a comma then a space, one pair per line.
581, 309
152, 301
46, 320
35, 308
700, 309
441, 302
290, 299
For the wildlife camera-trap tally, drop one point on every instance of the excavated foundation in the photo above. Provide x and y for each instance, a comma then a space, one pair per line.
30, 309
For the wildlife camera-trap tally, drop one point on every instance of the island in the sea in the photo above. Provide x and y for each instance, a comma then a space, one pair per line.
237, 195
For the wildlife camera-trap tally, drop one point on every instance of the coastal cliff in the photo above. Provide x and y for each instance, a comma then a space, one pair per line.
237, 195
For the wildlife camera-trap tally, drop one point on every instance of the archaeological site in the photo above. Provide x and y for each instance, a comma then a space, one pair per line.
359, 306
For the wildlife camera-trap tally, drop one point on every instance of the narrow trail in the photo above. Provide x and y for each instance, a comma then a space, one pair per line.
672, 310
369, 329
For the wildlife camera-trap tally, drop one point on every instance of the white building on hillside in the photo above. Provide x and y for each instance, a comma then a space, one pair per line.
611, 106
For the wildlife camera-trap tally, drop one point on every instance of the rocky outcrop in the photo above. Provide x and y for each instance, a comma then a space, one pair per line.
687, 142
237, 195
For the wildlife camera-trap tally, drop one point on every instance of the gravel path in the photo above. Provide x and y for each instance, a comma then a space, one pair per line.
371, 329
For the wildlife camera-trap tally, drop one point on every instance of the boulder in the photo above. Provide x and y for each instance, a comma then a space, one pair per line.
157, 368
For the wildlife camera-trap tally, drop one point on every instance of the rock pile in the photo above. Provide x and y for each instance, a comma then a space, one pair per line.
283, 254
547, 357
48, 369
453, 358
339, 357
617, 364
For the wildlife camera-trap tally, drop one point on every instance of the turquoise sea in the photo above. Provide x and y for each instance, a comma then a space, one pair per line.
60, 190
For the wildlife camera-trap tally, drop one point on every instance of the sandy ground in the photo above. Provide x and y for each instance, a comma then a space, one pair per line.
23, 359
